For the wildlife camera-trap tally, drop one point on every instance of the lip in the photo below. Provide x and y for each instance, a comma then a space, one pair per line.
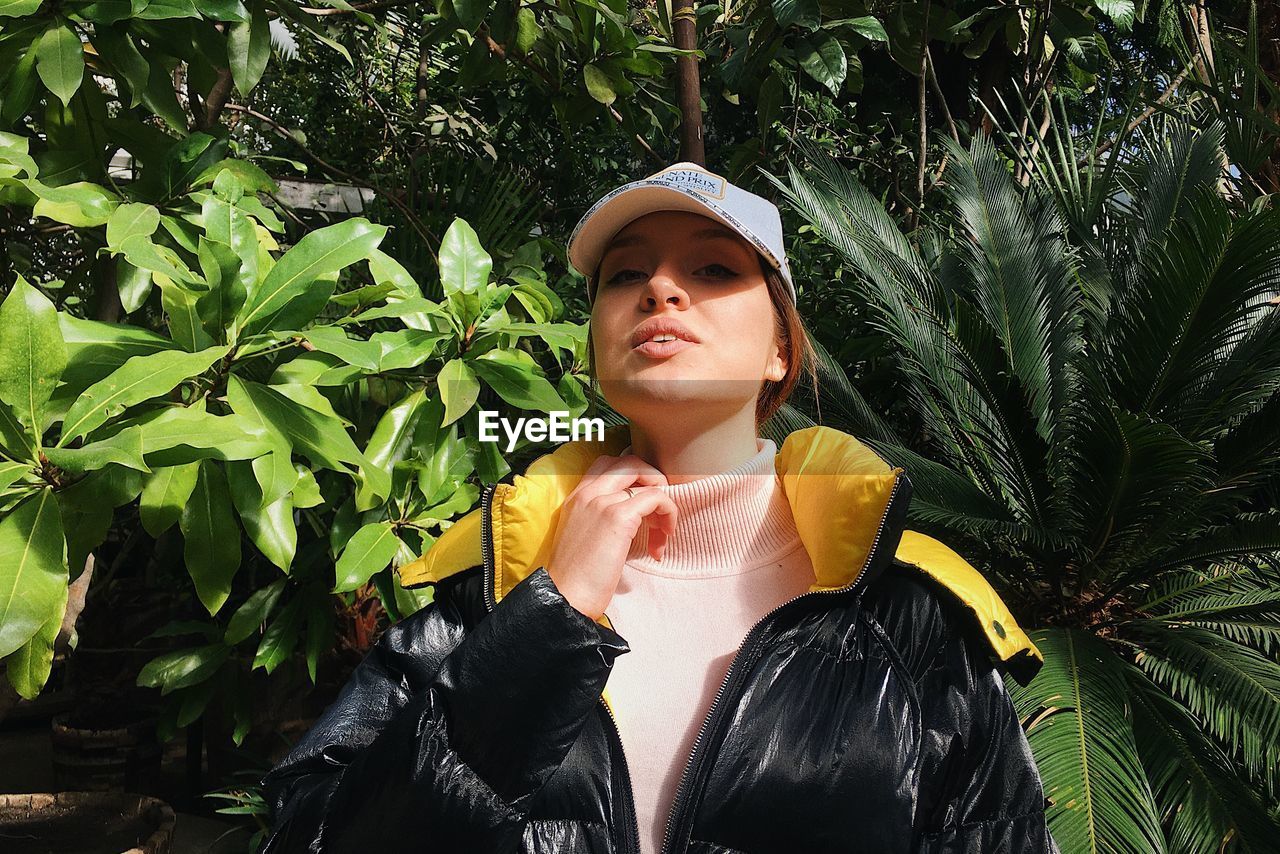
663, 349
655, 326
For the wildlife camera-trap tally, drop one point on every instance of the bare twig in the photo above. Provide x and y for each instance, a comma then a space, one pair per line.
399, 205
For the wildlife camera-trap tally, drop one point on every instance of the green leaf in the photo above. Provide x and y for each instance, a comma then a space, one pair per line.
28, 668
33, 568
464, 265
87, 507
298, 285
527, 29
211, 545
270, 526
800, 13
321, 438
517, 382
133, 283
131, 220
11, 472
124, 448
459, 388
175, 435
281, 637
599, 86
471, 12
32, 354
164, 494
141, 378
867, 26
253, 613
1085, 749
60, 61
369, 551
183, 668
18, 8
142, 252
393, 437
95, 349
822, 57
79, 204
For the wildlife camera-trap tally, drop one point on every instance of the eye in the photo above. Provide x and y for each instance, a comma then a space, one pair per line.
621, 276
718, 270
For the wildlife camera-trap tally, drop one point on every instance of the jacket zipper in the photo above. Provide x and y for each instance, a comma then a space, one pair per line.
486, 546
748, 646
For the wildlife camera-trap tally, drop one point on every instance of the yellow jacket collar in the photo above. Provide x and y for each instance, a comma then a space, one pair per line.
837, 487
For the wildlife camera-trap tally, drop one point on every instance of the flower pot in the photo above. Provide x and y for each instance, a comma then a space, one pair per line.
85, 823
118, 753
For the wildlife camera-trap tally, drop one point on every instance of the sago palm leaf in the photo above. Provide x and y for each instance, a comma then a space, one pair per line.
1082, 735
1232, 689
1203, 804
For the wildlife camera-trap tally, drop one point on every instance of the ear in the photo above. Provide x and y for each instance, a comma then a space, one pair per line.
776, 369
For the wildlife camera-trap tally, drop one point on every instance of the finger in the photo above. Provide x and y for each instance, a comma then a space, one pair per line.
624, 472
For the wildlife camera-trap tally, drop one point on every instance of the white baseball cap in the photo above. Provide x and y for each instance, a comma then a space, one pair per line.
682, 186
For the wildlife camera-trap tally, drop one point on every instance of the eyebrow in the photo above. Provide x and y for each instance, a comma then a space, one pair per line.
710, 233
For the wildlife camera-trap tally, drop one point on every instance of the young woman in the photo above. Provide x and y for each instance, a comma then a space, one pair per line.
787, 668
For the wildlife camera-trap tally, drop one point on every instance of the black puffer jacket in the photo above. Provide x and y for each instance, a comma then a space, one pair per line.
869, 714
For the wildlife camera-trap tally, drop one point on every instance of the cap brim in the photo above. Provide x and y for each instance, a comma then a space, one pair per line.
599, 225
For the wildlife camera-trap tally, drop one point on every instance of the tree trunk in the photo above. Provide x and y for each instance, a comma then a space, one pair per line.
684, 27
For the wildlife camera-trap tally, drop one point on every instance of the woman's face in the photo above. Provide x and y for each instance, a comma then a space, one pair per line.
701, 280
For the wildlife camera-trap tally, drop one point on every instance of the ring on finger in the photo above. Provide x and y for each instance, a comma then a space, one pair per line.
631, 493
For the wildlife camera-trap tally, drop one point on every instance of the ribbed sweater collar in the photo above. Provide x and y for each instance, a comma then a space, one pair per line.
729, 523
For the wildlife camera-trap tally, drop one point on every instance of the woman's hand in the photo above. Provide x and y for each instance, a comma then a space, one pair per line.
597, 524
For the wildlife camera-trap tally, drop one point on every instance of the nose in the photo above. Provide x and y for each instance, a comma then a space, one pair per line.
662, 288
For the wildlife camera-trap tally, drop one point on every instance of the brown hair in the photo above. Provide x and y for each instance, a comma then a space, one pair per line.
789, 331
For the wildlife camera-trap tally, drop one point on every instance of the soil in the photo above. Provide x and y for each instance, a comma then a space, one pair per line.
87, 830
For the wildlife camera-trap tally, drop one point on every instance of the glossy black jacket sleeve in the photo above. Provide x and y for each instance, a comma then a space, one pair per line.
980, 790
441, 737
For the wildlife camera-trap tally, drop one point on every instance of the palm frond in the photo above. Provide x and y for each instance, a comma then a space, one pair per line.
1081, 733
1232, 689
1203, 803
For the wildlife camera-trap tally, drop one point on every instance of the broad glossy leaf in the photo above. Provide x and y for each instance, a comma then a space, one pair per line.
60, 61
131, 220
32, 354
211, 538
179, 434
183, 668
270, 526
300, 282
517, 381
464, 265
801, 13
29, 666
164, 494
599, 86
249, 49
822, 57
253, 613
18, 8
134, 284
459, 388
33, 568
88, 504
369, 551
393, 437
15, 440
281, 637
141, 378
95, 349
123, 448
78, 204
321, 438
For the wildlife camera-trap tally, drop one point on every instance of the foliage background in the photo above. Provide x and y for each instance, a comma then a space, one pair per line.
161, 282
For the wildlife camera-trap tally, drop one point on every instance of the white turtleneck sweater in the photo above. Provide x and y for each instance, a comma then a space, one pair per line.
734, 557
